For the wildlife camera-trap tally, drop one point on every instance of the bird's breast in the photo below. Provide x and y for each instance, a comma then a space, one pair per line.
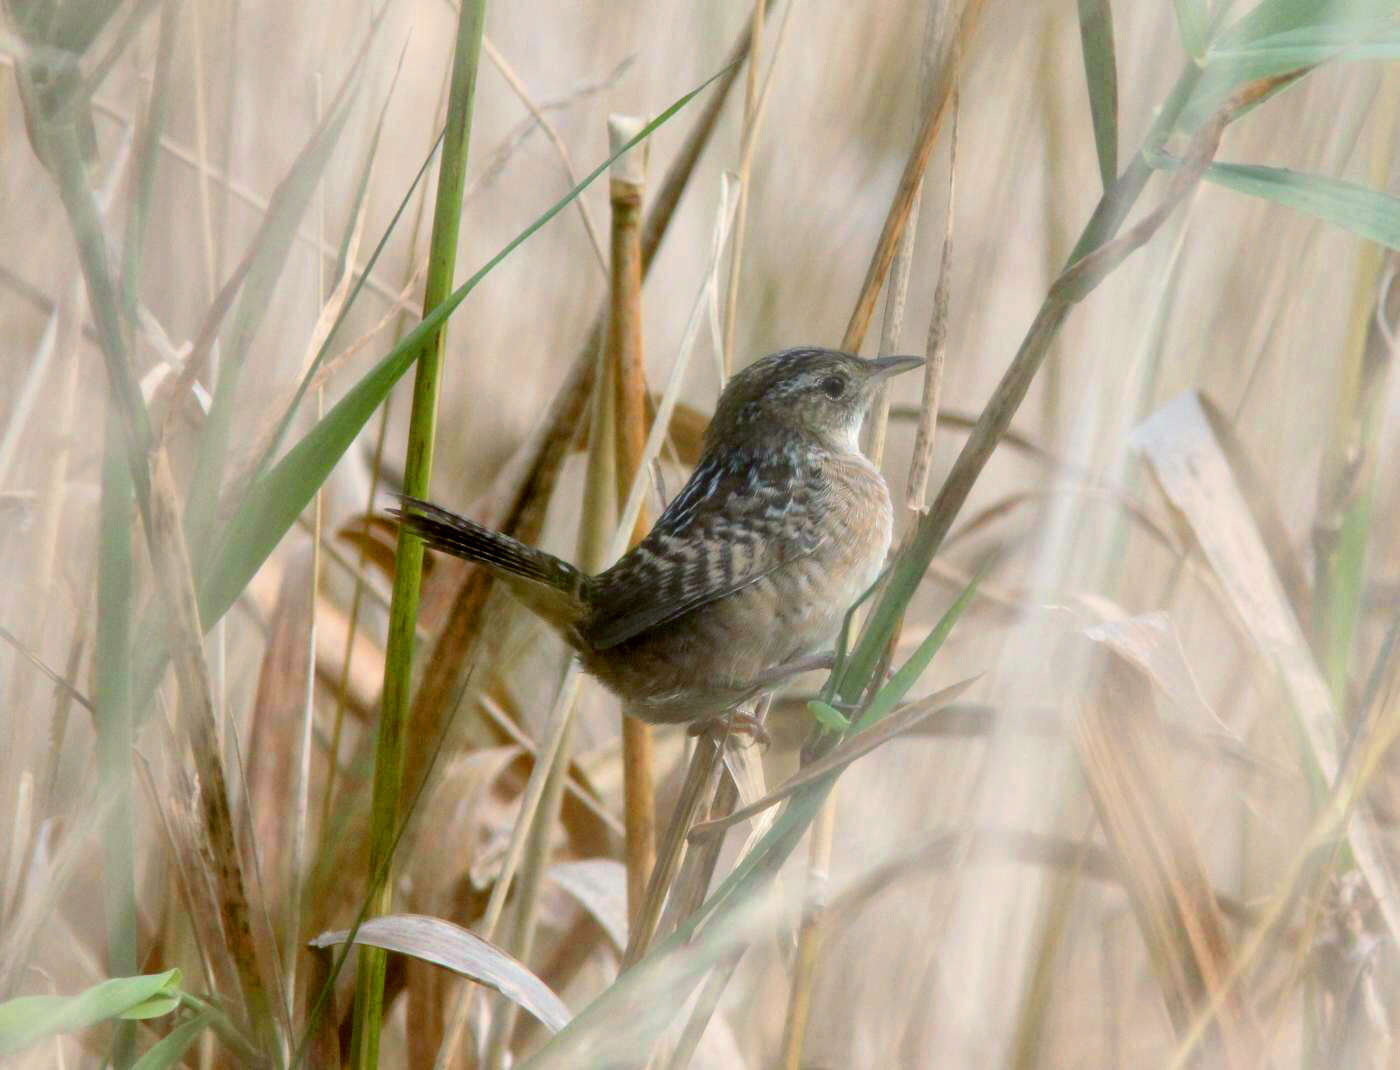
859, 536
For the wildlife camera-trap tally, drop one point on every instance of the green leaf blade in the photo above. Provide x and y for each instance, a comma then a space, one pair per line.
27, 1020
1291, 37
1365, 212
171, 1048
1101, 78
1194, 25
889, 696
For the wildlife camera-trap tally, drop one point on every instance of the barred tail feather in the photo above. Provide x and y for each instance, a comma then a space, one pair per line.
551, 587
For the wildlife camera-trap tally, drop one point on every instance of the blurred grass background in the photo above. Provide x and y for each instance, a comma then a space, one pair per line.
1141, 718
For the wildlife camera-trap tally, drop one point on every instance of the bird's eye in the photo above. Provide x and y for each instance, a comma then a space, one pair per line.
833, 386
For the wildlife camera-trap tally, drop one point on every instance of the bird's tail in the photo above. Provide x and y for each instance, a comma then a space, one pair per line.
554, 589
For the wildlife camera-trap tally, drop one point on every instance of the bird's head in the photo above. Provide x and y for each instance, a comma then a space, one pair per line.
818, 393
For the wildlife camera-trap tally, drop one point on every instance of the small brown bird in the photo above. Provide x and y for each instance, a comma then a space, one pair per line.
782, 525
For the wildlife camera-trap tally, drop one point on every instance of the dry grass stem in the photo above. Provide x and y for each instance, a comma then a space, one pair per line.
627, 374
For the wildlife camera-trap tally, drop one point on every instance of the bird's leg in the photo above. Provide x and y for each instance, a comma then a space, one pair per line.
733, 722
778, 673
747, 724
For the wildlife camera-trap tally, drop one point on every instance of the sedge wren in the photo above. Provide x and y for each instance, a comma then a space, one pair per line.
750, 568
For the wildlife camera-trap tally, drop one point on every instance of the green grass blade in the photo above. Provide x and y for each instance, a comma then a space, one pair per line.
1274, 17
157, 1006
278, 498
1366, 212
29, 1019
1194, 26
889, 696
171, 1048
1101, 78
1290, 37
113, 719
147, 159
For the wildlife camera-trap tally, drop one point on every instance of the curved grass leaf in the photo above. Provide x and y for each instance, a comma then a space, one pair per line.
1101, 77
1366, 212
1291, 41
29, 1019
278, 498
1274, 17
600, 886
155, 1007
461, 951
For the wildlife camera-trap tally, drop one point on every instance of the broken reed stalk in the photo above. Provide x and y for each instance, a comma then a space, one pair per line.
626, 371
617, 428
605, 490
408, 565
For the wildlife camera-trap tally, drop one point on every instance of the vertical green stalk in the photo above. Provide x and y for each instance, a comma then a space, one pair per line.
1349, 464
147, 158
388, 766
114, 589
115, 581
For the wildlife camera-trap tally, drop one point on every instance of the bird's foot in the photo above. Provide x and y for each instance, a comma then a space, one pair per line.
734, 723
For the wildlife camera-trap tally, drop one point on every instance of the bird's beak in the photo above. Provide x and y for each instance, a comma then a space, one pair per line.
883, 367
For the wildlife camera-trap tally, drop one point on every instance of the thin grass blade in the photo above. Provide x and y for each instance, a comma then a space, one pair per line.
1101, 77
170, 1049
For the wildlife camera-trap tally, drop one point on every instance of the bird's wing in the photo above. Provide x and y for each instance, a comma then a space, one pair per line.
742, 515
